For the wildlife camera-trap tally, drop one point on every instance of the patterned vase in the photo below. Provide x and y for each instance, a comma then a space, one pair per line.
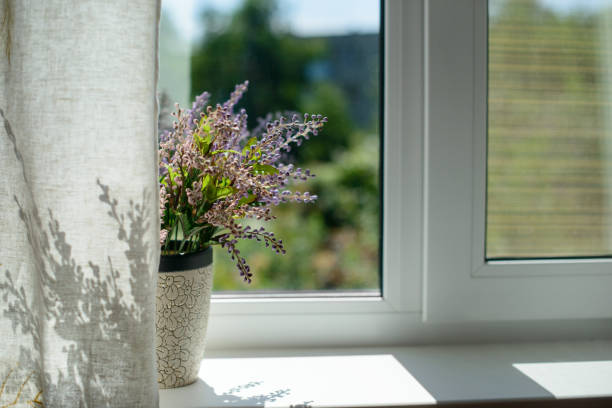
184, 286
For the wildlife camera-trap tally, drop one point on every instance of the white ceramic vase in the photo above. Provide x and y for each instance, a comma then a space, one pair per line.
184, 287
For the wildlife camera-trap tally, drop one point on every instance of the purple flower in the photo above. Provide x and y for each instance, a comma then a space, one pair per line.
214, 172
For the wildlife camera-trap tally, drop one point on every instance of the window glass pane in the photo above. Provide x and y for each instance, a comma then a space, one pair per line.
549, 129
306, 56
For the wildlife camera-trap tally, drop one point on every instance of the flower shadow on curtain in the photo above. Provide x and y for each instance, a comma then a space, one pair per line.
85, 306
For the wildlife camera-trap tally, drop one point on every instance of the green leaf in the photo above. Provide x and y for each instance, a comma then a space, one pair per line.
205, 181
185, 223
203, 125
264, 169
247, 200
195, 231
202, 136
171, 172
203, 143
225, 191
248, 145
211, 192
224, 151
224, 182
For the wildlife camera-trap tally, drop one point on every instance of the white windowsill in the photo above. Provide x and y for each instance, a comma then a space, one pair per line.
555, 372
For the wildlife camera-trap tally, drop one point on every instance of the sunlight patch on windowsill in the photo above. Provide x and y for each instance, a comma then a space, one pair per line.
571, 379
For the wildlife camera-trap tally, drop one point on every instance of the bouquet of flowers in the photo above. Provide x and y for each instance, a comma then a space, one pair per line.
214, 172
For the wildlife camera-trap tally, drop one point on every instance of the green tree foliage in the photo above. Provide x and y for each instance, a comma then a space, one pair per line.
339, 131
252, 45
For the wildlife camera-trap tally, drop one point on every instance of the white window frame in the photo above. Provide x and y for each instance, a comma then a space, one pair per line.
347, 318
462, 285
435, 288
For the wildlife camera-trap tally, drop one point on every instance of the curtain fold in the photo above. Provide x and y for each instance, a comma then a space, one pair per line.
78, 194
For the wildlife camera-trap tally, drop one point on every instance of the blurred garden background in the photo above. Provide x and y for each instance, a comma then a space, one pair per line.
549, 176
328, 66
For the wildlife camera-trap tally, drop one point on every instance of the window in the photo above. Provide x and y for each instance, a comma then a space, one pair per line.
548, 174
464, 282
437, 283
316, 57
341, 317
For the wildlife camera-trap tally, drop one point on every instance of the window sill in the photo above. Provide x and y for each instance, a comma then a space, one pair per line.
559, 374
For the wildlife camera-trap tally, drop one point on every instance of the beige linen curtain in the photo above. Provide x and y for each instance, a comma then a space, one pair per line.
78, 201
